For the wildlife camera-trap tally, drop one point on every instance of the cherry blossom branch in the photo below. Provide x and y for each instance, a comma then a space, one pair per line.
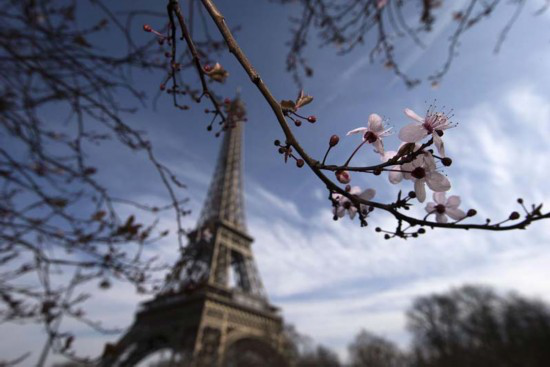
356, 201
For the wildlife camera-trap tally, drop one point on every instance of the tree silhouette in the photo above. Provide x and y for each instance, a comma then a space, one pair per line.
475, 326
369, 350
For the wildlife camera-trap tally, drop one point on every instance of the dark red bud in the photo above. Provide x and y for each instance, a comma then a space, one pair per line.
297, 122
277, 142
471, 212
312, 119
334, 139
147, 28
300, 163
447, 161
514, 215
207, 68
227, 100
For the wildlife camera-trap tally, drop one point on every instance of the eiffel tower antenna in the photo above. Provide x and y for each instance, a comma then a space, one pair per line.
213, 310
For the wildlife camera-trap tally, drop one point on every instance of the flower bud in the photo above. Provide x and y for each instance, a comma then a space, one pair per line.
514, 215
471, 212
334, 139
300, 163
412, 194
311, 119
421, 230
207, 68
447, 161
277, 142
343, 177
147, 28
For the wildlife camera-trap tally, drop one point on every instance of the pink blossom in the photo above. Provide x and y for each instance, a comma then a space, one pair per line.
373, 133
343, 204
443, 207
433, 124
422, 170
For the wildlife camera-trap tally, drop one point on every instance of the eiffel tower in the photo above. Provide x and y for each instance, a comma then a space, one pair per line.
213, 310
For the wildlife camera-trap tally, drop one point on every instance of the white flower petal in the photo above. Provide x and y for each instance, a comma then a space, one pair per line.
352, 211
359, 130
439, 144
455, 213
355, 190
429, 161
439, 198
440, 218
395, 177
430, 207
412, 133
375, 123
411, 114
437, 182
367, 194
378, 146
453, 201
420, 190
339, 211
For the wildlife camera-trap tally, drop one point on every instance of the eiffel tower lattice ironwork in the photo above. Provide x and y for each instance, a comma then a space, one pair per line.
213, 310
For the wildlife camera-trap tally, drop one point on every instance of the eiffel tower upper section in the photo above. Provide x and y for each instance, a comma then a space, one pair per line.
225, 201
219, 253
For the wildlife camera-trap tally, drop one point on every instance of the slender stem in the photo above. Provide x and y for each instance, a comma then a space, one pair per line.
354, 152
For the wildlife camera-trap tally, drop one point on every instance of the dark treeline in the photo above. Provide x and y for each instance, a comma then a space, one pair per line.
466, 327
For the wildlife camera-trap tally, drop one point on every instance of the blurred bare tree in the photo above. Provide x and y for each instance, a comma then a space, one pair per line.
381, 25
60, 227
369, 350
475, 326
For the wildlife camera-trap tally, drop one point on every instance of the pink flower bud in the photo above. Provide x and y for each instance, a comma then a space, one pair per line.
343, 177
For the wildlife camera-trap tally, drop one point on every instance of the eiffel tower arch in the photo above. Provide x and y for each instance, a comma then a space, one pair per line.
213, 310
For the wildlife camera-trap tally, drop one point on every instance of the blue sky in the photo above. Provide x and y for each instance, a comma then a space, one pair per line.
333, 278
